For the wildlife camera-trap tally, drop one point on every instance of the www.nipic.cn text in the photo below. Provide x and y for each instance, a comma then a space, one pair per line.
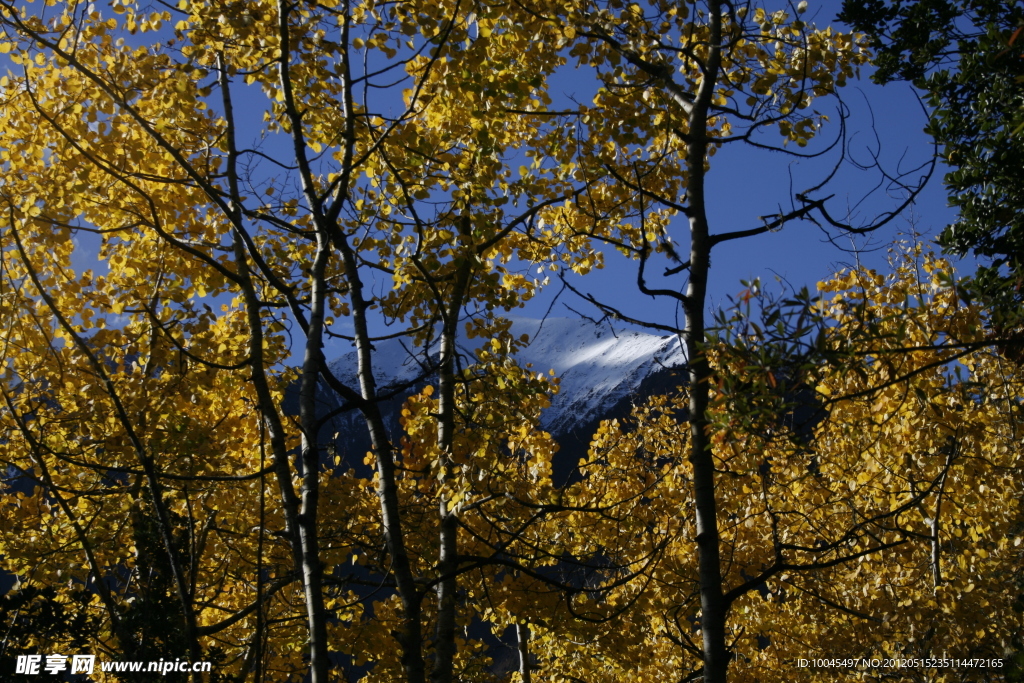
35, 665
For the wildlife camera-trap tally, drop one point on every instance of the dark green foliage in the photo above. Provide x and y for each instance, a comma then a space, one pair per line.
968, 58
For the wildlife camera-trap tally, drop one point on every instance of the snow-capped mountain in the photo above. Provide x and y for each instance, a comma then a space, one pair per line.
598, 366
602, 370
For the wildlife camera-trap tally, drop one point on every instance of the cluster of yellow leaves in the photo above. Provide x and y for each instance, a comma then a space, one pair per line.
888, 525
459, 175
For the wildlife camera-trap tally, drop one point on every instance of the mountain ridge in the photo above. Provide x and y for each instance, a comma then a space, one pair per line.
602, 371
597, 365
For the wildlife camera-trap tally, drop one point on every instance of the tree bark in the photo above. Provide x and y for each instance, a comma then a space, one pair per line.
312, 567
410, 638
713, 604
523, 646
444, 645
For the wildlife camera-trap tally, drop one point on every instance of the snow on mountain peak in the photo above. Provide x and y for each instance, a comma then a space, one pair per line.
598, 366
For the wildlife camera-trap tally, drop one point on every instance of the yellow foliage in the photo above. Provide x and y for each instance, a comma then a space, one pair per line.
259, 180
880, 528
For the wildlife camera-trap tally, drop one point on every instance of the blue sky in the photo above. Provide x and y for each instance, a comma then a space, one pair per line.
745, 183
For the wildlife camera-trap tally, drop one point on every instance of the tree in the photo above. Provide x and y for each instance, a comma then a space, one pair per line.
262, 178
145, 400
886, 527
136, 410
728, 75
966, 58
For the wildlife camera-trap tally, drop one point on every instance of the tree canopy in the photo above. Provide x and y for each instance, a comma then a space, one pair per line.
884, 524
258, 179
